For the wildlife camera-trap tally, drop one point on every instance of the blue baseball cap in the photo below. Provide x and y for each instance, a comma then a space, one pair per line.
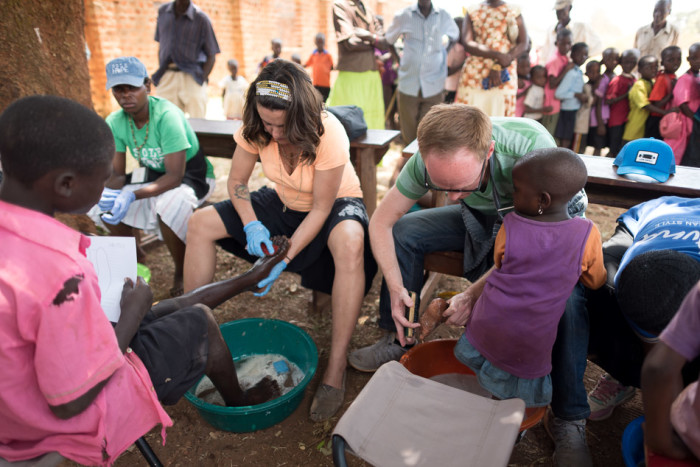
125, 70
646, 156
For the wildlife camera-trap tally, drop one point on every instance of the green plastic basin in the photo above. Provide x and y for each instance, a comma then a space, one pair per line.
255, 336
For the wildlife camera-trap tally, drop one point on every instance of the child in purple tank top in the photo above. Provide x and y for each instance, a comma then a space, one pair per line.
540, 254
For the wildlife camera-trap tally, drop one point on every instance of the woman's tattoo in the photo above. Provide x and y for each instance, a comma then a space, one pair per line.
241, 191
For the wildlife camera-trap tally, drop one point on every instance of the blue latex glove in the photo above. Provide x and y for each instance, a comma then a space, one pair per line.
255, 234
121, 205
274, 274
107, 200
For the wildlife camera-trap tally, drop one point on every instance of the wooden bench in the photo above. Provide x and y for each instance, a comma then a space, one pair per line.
216, 140
604, 187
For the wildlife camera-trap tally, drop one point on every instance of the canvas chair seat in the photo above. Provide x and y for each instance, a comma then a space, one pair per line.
401, 419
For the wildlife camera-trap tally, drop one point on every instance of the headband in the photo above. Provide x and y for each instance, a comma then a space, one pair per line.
274, 89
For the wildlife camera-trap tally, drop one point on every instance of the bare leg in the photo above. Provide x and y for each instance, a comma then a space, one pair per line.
176, 247
203, 230
212, 295
222, 372
346, 243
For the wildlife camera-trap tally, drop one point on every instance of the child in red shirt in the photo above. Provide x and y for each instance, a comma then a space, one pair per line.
662, 92
321, 63
616, 98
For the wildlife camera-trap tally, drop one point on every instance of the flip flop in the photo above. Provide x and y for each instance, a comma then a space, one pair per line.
327, 401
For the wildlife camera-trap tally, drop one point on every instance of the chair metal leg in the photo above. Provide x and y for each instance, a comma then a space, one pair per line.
148, 453
338, 444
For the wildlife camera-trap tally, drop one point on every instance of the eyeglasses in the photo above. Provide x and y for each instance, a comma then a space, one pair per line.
428, 184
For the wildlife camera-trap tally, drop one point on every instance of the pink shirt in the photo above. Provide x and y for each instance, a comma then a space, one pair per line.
681, 335
520, 101
296, 190
605, 108
554, 67
56, 343
686, 91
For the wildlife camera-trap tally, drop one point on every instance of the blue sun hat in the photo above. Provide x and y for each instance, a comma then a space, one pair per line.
651, 158
125, 70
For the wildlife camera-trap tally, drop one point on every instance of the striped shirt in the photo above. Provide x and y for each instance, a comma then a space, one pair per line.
424, 62
185, 41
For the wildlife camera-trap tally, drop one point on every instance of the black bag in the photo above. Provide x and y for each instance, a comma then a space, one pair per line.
353, 119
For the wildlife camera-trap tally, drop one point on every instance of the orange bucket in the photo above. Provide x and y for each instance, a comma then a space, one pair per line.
437, 358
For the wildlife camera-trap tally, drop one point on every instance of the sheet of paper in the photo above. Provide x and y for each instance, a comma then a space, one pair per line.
114, 258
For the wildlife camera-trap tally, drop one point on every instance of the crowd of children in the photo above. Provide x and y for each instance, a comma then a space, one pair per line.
609, 109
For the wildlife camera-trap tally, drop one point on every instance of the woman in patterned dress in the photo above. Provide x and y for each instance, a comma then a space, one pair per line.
493, 35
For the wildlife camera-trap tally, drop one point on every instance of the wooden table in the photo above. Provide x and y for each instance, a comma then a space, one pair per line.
216, 139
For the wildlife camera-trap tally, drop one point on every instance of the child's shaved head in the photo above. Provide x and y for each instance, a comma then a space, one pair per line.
39, 134
557, 171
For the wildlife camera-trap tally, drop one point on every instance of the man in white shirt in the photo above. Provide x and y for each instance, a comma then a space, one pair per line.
581, 32
653, 38
423, 66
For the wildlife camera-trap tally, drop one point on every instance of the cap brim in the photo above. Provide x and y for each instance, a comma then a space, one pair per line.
657, 175
129, 80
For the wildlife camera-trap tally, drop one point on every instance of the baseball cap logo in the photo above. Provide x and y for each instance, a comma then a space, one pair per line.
647, 157
119, 68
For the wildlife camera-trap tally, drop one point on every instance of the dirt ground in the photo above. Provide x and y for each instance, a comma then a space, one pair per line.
297, 440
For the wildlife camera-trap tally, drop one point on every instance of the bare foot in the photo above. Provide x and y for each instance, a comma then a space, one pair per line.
262, 267
432, 317
266, 389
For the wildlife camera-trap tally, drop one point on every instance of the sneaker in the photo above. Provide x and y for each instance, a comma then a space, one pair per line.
370, 358
607, 395
570, 448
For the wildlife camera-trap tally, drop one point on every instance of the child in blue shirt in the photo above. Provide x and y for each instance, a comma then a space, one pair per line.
570, 93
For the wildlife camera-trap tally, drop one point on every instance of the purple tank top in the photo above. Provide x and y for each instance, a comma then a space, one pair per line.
514, 322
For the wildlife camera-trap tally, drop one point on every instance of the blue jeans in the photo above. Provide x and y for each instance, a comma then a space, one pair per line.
442, 229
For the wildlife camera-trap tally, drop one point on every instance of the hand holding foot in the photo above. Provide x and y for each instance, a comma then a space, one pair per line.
432, 317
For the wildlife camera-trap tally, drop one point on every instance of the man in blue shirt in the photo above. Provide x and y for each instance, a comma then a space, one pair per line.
423, 66
653, 260
188, 48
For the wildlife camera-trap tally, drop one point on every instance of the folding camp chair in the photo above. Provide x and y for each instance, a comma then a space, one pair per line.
401, 419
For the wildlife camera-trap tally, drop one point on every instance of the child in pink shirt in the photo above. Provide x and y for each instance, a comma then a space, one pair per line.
686, 96
72, 383
673, 413
557, 67
524, 83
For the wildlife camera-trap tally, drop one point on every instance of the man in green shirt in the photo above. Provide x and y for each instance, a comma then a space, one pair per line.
470, 157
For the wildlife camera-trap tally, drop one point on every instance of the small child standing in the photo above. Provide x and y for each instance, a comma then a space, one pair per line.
321, 64
672, 415
233, 88
534, 100
598, 133
686, 96
570, 93
557, 67
524, 83
616, 98
662, 92
639, 100
510, 333
276, 47
583, 116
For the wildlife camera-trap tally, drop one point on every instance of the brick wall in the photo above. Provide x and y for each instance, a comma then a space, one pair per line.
243, 29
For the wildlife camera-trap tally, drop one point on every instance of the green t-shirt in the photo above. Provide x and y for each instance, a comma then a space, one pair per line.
168, 132
514, 137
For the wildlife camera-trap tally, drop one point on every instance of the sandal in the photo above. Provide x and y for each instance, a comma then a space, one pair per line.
327, 401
